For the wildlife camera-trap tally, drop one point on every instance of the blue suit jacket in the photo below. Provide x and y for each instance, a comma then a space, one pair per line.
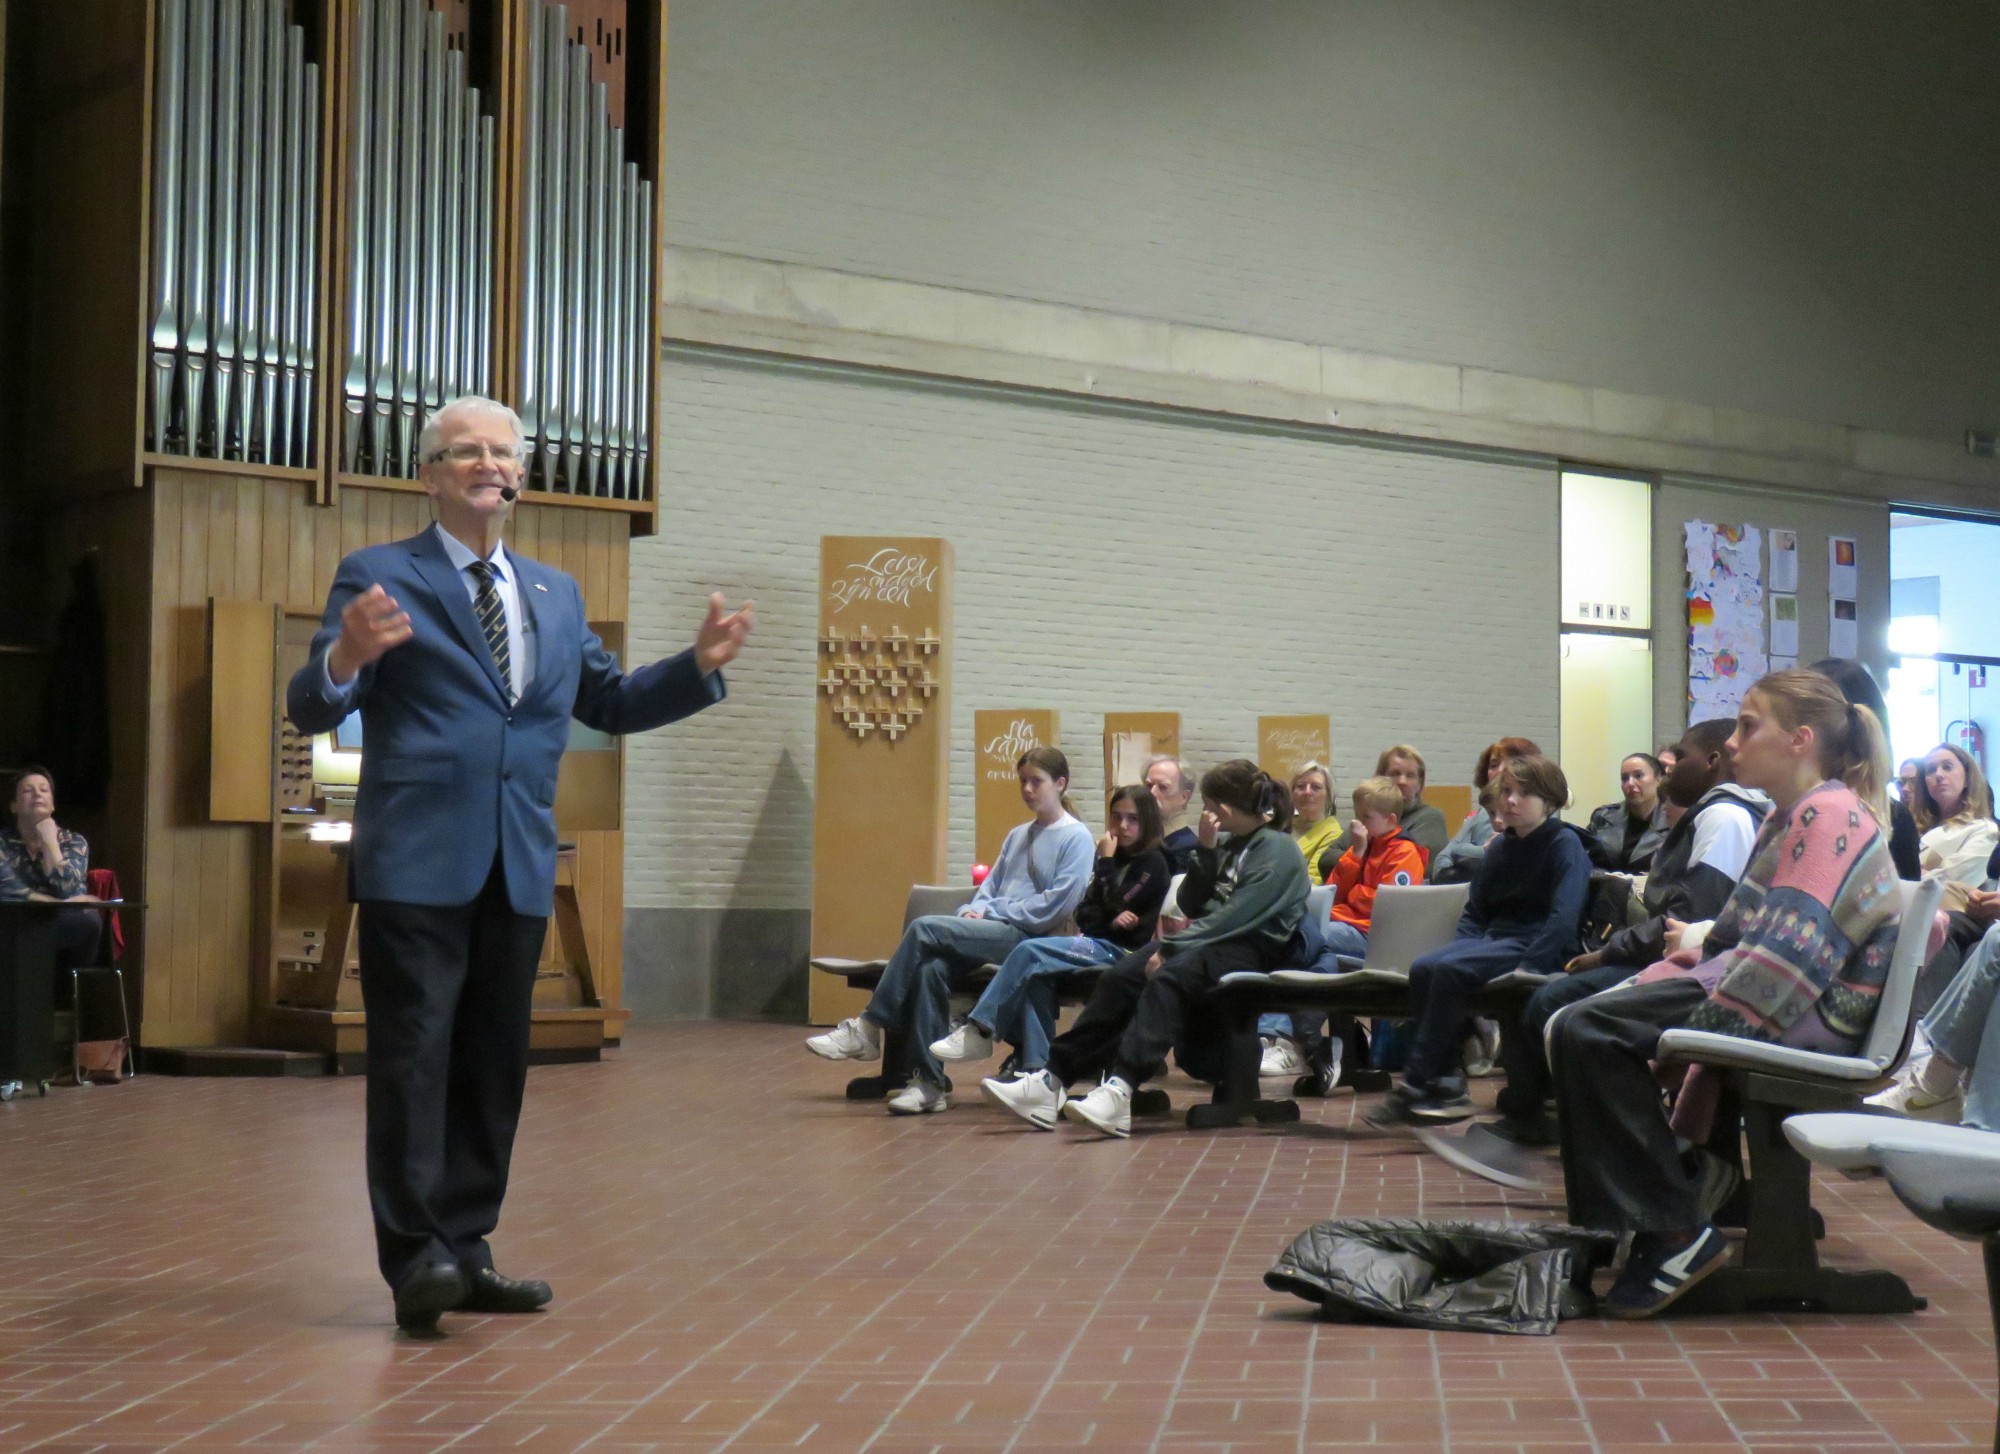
450, 773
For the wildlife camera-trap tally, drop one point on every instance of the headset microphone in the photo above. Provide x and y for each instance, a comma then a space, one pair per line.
510, 493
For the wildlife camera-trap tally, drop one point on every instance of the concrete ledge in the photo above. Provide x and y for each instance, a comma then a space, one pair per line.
753, 303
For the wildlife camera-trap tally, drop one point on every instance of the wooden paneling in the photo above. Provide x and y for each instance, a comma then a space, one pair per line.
242, 662
265, 541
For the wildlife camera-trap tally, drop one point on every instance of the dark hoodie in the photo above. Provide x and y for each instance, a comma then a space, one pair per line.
1695, 870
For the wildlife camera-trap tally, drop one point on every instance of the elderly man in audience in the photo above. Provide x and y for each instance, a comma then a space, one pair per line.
1171, 782
41, 862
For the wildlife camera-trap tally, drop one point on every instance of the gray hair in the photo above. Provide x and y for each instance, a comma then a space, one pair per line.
427, 441
1185, 772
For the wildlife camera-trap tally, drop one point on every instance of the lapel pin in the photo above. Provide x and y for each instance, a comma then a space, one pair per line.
540, 587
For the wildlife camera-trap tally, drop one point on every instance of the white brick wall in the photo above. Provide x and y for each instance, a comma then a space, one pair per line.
1783, 207
1105, 562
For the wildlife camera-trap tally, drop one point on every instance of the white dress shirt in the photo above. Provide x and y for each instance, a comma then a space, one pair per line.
520, 651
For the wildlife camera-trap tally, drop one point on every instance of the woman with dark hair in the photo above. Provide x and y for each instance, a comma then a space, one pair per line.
1630, 830
1859, 687
1459, 860
1246, 896
1120, 911
1035, 885
44, 863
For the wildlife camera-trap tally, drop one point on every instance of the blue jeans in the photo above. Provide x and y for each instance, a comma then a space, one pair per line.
1336, 939
1440, 984
1020, 1005
913, 1000
1965, 1030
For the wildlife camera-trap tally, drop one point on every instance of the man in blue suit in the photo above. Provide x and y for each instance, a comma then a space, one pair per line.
468, 663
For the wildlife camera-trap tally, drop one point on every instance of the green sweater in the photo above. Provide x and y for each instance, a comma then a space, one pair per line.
1250, 886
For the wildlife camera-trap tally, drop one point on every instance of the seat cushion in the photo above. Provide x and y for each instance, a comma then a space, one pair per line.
1855, 1141
1733, 1052
848, 966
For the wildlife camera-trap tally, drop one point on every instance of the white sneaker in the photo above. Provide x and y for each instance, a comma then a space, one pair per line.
1282, 1057
1481, 1049
855, 1039
1107, 1109
967, 1042
1036, 1097
918, 1098
1907, 1098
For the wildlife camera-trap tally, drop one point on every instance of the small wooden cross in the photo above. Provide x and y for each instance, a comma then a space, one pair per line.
929, 642
893, 726
895, 638
864, 640
835, 640
925, 684
831, 682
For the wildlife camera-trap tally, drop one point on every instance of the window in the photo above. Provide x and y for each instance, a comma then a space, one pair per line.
1944, 633
1607, 637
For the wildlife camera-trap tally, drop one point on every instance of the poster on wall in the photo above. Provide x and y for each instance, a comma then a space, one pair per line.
1725, 596
1784, 563
1843, 628
1843, 574
1784, 626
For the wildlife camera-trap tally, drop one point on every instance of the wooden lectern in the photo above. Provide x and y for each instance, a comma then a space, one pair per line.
882, 755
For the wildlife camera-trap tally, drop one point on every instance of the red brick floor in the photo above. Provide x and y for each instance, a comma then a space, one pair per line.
745, 1261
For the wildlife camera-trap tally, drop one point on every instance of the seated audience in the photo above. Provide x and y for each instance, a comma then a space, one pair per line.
1693, 875
1629, 831
1378, 855
1172, 786
1523, 913
1315, 819
1458, 860
41, 862
1247, 896
1036, 884
1798, 956
1120, 911
1954, 814
1860, 688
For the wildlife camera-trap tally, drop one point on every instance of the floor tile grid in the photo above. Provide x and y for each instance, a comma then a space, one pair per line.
668, 1206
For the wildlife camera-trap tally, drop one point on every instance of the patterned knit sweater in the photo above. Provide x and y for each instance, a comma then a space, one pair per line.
1806, 939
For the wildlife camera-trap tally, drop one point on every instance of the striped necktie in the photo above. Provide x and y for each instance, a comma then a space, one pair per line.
492, 613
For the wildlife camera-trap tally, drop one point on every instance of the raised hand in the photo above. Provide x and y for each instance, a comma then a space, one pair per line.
1107, 846
370, 626
721, 635
1208, 830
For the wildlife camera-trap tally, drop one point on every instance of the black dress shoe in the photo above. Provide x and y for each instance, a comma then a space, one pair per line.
433, 1288
486, 1291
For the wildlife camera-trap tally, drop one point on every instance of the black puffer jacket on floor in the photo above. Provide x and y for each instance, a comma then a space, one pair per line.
1469, 1277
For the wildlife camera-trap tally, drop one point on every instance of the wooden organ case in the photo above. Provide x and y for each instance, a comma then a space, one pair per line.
341, 214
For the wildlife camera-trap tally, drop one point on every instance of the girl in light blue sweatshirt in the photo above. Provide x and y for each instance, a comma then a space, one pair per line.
1035, 885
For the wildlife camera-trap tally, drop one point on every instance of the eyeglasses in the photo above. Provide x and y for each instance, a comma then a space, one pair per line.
473, 453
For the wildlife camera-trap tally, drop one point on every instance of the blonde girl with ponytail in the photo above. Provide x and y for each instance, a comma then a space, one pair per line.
1798, 956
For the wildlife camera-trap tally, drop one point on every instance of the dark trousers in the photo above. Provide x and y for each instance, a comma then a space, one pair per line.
1133, 1020
1441, 982
448, 993
1523, 1050
1621, 1163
